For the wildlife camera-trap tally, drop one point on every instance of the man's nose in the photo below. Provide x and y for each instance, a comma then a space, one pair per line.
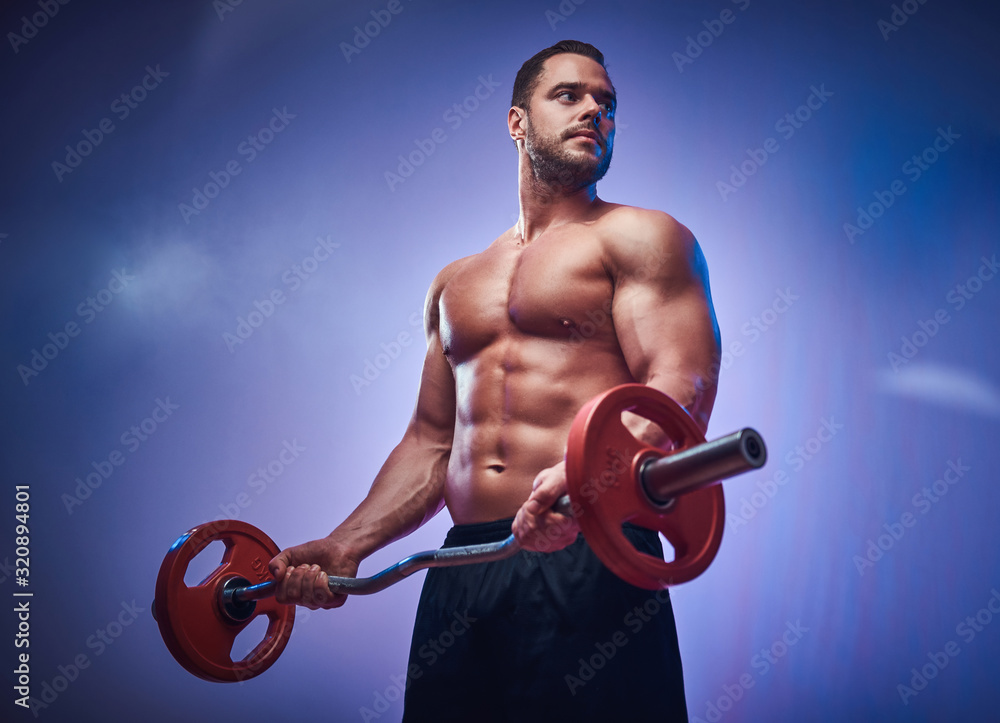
592, 110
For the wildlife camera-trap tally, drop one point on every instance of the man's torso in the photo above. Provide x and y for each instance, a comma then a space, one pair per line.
527, 330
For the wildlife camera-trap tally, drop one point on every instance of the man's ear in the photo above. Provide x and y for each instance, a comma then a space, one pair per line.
516, 123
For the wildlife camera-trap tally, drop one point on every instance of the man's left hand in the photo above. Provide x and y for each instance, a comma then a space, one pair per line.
537, 526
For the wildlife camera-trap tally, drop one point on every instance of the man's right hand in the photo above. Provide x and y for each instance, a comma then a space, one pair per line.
302, 573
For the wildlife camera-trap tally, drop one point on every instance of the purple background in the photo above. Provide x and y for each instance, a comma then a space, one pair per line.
825, 357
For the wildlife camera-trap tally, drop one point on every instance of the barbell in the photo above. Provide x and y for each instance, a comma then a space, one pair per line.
612, 478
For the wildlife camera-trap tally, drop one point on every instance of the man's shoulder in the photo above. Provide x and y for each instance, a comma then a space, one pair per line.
445, 274
449, 271
635, 233
431, 311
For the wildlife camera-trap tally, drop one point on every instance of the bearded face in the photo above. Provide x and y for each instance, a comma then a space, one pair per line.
562, 162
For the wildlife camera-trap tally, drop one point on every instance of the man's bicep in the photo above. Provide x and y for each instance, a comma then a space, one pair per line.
669, 336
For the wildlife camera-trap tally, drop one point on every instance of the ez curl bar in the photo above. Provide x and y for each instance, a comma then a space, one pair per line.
612, 478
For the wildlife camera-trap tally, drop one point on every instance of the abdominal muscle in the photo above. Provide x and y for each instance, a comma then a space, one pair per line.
516, 401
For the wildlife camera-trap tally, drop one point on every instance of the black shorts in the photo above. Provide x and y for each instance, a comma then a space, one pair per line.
542, 637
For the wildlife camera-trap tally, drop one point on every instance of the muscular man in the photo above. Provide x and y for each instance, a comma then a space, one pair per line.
579, 296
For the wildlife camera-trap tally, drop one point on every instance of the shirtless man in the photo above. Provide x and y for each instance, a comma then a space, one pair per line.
581, 295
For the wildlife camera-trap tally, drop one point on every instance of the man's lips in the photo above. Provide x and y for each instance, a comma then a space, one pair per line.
587, 134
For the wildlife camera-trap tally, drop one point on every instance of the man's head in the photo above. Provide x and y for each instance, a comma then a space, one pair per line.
562, 95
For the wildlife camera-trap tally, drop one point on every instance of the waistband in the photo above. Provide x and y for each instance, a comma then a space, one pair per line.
479, 533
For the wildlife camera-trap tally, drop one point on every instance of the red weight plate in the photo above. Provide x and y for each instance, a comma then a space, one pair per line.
197, 632
602, 471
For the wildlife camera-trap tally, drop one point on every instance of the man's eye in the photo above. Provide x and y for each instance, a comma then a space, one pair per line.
565, 93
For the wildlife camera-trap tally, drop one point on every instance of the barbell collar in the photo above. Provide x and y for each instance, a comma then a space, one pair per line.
703, 465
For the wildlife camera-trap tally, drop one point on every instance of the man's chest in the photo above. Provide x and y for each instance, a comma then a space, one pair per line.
547, 289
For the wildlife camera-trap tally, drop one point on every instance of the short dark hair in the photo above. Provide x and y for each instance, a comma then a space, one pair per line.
527, 77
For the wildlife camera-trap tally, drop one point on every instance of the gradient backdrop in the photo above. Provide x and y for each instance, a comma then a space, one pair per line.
859, 577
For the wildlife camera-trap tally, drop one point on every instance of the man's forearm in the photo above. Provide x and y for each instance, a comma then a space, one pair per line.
697, 399
406, 493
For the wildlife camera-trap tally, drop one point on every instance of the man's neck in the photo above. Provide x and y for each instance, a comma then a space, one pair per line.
546, 206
